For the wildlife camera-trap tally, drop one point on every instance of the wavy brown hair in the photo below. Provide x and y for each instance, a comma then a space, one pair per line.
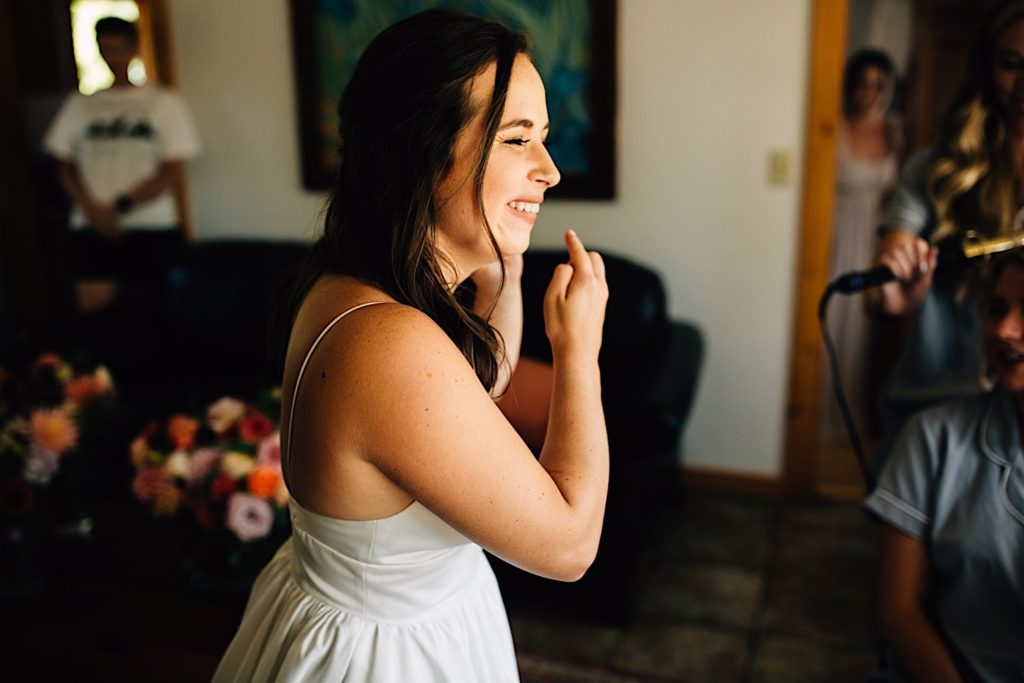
974, 180
401, 114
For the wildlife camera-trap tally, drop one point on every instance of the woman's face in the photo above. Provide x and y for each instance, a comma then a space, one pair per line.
1003, 328
1008, 71
519, 171
872, 91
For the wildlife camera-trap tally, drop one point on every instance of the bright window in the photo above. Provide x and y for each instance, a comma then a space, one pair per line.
93, 73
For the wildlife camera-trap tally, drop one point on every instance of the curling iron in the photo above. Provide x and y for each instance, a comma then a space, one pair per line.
972, 247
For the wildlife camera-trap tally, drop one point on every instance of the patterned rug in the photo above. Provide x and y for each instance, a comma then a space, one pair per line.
538, 669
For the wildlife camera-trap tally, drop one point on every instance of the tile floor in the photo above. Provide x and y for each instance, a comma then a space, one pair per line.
735, 590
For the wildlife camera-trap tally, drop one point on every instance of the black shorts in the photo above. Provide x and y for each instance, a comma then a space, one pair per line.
134, 256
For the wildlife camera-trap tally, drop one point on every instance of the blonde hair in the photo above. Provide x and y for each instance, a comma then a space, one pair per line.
974, 181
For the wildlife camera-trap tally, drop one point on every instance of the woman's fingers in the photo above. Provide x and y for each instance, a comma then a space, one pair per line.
598, 264
578, 256
560, 280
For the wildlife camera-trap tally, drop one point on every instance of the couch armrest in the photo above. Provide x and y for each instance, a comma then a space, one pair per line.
647, 412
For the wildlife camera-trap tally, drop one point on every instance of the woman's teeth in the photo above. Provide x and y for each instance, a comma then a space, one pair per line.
528, 207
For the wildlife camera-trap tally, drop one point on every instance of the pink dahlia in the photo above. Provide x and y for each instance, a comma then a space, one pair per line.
249, 517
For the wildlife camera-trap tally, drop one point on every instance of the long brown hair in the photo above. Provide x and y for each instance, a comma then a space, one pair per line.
401, 114
974, 181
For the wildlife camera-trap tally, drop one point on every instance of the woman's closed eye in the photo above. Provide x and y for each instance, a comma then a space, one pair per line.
516, 142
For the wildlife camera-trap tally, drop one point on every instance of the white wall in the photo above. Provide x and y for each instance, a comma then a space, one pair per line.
235, 69
706, 91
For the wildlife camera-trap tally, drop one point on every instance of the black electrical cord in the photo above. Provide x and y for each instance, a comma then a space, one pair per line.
837, 386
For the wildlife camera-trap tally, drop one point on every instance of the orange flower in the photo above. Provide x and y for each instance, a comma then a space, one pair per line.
139, 450
255, 427
281, 494
167, 501
81, 389
49, 360
262, 482
53, 363
54, 430
182, 431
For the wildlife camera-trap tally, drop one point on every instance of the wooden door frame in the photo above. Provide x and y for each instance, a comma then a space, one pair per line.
158, 50
828, 52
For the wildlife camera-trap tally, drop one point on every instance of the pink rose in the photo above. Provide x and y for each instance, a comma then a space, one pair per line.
249, 517
269, 452
202, 462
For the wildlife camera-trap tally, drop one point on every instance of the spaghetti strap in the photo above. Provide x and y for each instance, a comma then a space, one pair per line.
305, 362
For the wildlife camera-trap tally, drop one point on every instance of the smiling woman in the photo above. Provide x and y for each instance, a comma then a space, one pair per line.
400, 465
951, 505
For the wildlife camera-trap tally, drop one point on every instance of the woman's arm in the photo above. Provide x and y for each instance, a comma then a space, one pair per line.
412, 408
903, 590
506, 316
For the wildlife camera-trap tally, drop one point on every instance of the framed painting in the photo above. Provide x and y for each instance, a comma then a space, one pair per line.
573, 45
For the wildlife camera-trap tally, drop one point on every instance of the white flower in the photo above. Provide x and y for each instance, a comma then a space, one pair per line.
223, 414
178, 465
40, 464
236, 465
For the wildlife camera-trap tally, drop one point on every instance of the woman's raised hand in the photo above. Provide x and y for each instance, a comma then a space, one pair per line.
574, 304
912, 261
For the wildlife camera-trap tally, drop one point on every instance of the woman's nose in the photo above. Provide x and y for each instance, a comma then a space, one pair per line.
544, 170
1012, 324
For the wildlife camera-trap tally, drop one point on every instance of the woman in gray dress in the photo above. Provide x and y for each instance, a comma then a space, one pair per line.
951, 506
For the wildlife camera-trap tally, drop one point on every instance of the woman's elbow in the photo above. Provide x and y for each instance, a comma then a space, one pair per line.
573, 564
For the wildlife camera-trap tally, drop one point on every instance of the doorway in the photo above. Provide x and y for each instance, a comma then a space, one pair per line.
940, 32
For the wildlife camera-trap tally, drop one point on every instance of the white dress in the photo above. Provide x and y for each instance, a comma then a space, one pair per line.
860, 186
406, 599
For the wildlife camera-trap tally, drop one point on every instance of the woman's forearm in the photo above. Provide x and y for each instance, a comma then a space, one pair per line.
575, 451
919, 648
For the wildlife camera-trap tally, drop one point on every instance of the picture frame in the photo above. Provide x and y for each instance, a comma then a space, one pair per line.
573, 45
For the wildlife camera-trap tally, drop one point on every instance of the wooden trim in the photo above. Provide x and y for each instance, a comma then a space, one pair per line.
155, 41
828, 46
157, 48
725, 481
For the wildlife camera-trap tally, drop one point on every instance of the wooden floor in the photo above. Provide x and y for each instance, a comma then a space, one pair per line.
839, 476
731, 590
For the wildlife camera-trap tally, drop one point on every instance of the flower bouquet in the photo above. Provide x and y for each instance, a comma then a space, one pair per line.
219, 477
52, 417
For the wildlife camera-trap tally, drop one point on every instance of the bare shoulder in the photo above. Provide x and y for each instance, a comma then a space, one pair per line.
379, 349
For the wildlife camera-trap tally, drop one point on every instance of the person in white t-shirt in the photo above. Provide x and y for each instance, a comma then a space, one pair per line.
120, 154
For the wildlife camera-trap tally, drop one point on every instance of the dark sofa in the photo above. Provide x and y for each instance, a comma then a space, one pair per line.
206, 337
